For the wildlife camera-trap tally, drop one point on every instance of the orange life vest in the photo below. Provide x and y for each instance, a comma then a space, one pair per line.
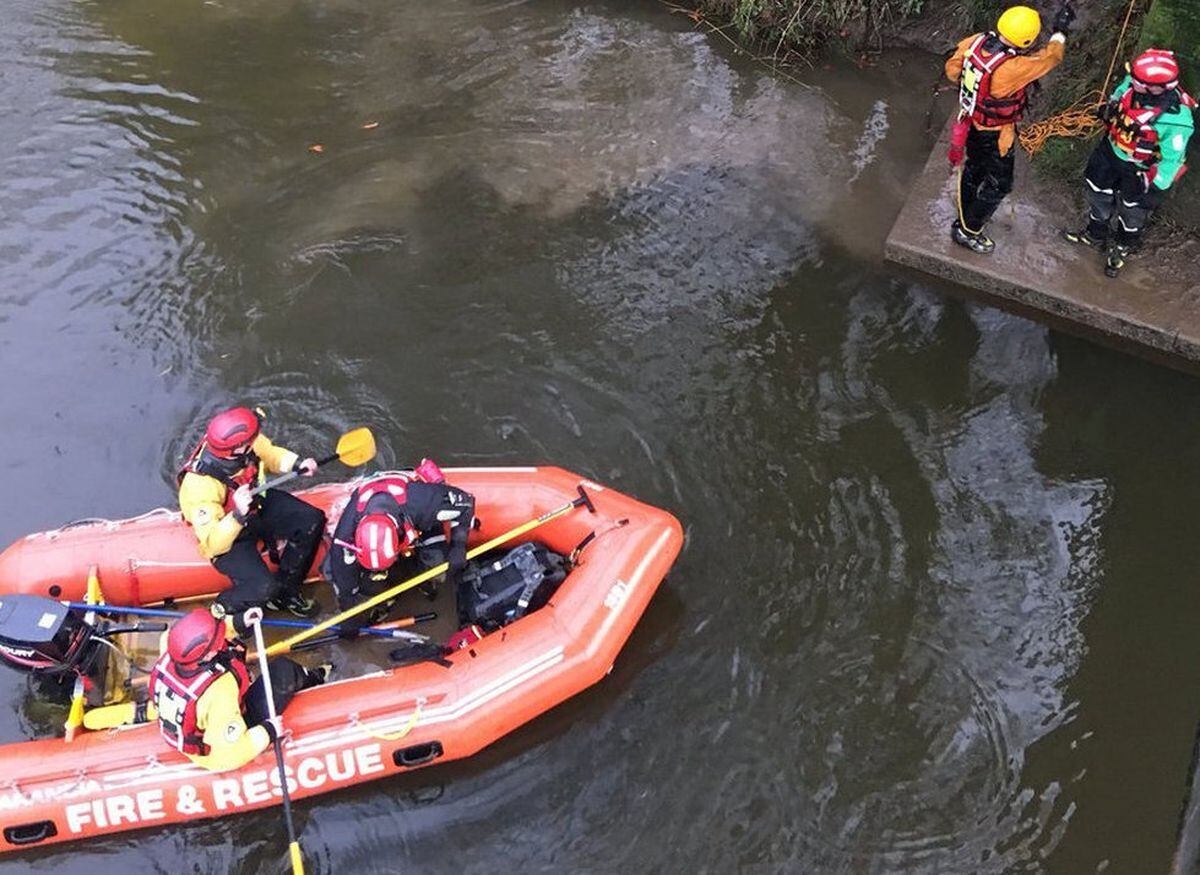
984, 57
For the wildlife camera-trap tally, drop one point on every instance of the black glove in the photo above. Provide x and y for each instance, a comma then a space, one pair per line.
1063, 18
1106, 111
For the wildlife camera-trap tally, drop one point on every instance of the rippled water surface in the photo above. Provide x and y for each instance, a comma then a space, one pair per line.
937, 604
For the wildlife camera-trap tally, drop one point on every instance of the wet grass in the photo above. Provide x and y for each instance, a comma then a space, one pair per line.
1089, 53
805, 26
783, 31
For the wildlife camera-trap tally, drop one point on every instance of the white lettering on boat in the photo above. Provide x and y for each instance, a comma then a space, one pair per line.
617, 595
18, 798
227, 793
109, 811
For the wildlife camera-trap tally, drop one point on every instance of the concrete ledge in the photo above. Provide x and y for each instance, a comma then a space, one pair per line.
1152, 309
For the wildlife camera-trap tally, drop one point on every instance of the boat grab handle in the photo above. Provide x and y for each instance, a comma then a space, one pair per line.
417, 754
30, 833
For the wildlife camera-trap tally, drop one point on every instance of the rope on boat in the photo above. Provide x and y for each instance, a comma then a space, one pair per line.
110, 525
356, 721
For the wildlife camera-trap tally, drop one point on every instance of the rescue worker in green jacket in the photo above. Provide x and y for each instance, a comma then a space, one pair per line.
1149, 119
214, 495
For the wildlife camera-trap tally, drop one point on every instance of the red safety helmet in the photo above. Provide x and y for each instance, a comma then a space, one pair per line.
197, 636
379, 540
1156, 67
231, 430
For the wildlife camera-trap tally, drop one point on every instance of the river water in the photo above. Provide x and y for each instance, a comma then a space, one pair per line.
935, 612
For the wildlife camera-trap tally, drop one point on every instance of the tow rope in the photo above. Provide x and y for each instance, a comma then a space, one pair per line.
1078, 119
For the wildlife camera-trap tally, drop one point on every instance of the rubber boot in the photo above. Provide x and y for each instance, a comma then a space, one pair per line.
1117, 255
294, 603
1083, 238
979, 243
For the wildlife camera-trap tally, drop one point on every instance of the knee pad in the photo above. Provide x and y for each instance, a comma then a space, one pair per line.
993, 189
1100, 203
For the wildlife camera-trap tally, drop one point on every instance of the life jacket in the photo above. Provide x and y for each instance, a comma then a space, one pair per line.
984, 57
176, 697
395, 486
232, 473
1131, 129
388, 495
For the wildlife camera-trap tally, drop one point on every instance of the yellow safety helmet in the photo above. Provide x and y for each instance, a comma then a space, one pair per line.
1020, 25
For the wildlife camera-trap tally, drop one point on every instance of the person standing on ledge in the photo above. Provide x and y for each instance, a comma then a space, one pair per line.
994, 72
1149, 120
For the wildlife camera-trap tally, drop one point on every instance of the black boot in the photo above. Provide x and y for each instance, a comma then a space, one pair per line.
1083, 238
294, 603
1117, 255
979, 243
314, 677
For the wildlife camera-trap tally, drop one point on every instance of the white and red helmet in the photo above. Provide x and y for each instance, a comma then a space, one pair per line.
379, 540
196, 637
1156, 67
230, 430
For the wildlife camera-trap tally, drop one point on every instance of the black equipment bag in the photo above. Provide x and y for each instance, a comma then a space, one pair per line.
498, 589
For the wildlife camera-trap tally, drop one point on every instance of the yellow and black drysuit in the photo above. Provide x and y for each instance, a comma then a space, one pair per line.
206, 486
213, 713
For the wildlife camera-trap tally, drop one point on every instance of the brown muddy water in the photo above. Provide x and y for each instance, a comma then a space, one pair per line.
937, 607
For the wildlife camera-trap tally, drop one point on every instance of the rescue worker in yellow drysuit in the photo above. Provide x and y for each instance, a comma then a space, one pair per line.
214, 495
206, 705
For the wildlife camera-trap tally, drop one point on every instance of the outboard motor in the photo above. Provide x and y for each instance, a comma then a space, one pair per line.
43, 637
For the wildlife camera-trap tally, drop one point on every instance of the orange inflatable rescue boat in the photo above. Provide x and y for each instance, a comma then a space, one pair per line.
353, 729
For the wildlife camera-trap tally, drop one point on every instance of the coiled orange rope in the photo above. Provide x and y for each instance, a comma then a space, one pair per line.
1079, 119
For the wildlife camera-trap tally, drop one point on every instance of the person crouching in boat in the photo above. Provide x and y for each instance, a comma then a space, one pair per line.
214, 495
207, 706
414, 515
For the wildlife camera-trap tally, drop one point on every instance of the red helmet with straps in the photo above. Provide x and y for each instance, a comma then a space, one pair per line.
379, 540
230, 430
196, 636
1156, 67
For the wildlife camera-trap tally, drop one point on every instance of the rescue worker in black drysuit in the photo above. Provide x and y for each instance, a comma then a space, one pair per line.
415, 517
1150, 122
996, 72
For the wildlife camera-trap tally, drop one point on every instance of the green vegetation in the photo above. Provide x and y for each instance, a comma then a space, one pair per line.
805, 25
1089, 53
1175, 24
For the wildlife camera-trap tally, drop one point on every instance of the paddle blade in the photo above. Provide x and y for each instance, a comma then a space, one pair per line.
297, 860
356, 447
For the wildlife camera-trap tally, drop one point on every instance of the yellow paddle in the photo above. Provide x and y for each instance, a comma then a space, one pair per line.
354, 448
287, 644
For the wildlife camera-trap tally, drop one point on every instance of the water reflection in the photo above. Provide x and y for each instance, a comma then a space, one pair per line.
577, 235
